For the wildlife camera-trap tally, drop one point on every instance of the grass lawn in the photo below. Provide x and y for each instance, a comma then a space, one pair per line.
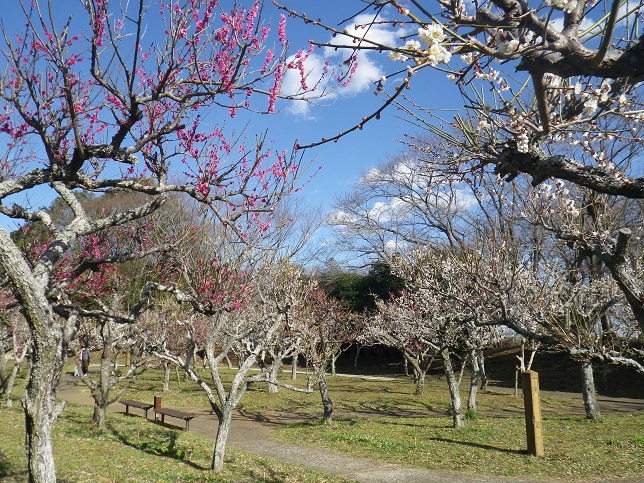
575, 449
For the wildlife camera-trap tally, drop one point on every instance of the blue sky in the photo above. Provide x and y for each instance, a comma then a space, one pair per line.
342, 162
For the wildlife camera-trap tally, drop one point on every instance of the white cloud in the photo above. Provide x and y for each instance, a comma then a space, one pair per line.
321, 71
403, 173
392, 246
340, 217
586, 23
394, 210
371, 177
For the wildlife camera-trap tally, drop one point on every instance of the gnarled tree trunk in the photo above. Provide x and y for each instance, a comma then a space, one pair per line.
225, 417
50, 337
273, 371
101, 390
419, 380
39, 402
483, 374
588, 391
358, 350
455, 397
7, 389
294, 367
166, 376
474, 380
327, 403
3, 368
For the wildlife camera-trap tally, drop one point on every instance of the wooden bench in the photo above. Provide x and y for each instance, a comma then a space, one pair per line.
136, 404
175, 414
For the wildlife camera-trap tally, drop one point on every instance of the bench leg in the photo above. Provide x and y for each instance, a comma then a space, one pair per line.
187, 424
145, 412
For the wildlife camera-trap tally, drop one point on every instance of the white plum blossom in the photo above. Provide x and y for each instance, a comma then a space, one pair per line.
590, 106
565, 5
504, 42
412, 45
571, 208
437, 54
552, 80
508, 47
523, 142
399, 56
431, 34
467, 58
604, 91
396, 56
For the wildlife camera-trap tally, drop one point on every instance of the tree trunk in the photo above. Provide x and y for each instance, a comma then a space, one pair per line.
455, 397
334, 358
100, 395
626, 279
178, 378
8, 388
272, 377
327, 403
420, 383
355, 359
294, 368
103, 387
588, 390
419, 375
481, 359
166, 376
115, 368
474, 381
3, 369
100, 414
222, 436
39, 402
406, 368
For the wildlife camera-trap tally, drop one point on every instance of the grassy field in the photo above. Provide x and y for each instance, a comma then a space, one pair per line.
575, 449
393, 396
379, 419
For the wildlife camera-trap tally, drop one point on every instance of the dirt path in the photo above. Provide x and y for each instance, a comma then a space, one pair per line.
252, 431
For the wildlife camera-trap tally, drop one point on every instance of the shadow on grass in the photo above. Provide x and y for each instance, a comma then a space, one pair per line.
390, 410
156, 444
265, 475
256, 416
9, 472
482, 446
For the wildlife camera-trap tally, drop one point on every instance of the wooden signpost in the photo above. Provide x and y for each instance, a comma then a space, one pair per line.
532, 412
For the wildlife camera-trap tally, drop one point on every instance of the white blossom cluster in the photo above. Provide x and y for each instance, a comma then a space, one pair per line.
430, 51
559, 199
565, 5
504, 42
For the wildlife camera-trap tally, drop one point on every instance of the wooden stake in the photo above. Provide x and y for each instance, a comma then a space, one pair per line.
532, 413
